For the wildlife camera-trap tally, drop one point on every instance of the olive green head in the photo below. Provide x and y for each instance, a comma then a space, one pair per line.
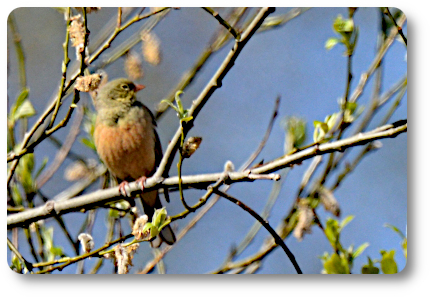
115, 99
117, 92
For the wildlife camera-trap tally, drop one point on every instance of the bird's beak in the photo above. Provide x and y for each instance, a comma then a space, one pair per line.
139, 87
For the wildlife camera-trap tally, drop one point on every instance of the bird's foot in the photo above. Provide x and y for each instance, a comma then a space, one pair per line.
122, 189
141, 181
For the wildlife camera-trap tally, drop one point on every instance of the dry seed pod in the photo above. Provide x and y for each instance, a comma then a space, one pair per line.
86, 241
88, 83
133, 66
329, 201
190, 146
77, 32
306, 218
151, 48
124, 257
138, 227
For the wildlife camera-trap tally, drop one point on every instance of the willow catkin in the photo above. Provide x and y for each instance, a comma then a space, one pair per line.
151, 48
133, 66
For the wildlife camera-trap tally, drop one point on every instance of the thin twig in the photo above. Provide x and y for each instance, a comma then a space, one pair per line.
63, 152
66, 61
379, 55
109, 195
181, 193
224, 23
67, 89
210, 88
118, 30
274, 194
399, 28
220, 40
265, 224
265, 137
204, 198
27, 264
273, 22
149, 266
68, 261
26, 140
19, 49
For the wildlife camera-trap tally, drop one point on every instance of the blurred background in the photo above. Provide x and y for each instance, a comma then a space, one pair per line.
289, 61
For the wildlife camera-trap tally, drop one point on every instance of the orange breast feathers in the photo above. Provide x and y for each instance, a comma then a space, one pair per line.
127, 150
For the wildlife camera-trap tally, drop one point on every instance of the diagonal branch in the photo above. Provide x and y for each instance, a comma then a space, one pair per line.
210, 88
102, 197
265, 224
224, 23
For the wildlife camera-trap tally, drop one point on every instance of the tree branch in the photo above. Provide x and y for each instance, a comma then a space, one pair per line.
210, 88
101, 197
266, 225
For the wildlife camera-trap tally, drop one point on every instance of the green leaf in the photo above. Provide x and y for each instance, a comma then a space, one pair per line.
25, 110
332, 231
159, 217
88, 143
341, 25
16, 264
320, 131
395, 229
295, 129
170, 104
331, 42
186, 119
153, 230
16, 195
39, 171
331, 120
21, 97
369, 268
346, 222
57, 251
179, 102
147, 227
388, 264
360, 250
113, 213
318, 124
351, 106
348, 25
405, 247
336, 264
404, 239
24, 172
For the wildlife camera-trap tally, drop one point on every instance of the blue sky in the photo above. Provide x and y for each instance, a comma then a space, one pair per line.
290, 61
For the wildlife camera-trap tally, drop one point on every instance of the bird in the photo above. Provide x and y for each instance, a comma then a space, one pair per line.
127, 142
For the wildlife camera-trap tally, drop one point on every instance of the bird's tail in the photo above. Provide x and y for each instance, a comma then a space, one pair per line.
167, 235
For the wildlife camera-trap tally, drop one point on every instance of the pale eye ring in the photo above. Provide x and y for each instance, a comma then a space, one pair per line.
125, 87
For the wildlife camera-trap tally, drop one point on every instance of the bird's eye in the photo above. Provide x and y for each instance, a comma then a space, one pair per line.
125, 87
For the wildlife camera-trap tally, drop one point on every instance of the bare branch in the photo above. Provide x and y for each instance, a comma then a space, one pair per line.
266, 225
224, 23
210, 88
109, 195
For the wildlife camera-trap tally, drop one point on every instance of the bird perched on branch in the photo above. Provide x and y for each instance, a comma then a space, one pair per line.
127, 142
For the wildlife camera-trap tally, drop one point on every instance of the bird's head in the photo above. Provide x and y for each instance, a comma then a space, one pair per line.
118, 92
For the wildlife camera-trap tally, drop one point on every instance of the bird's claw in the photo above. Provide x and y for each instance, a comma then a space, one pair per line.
122, 189
141, 181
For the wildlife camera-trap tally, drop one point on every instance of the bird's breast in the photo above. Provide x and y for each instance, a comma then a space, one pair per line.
127, 149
